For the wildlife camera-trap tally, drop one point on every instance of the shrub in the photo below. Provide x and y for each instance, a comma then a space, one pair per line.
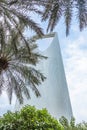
72, 125
29, 118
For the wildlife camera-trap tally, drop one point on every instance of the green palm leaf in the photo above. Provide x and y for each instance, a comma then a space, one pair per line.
55, 9
14, 18
82, 13
68, 15
17, 69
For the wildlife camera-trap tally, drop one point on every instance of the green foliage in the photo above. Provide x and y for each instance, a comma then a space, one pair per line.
29, 118
15, 17
19, 12
55, 9
72, 125
17, 67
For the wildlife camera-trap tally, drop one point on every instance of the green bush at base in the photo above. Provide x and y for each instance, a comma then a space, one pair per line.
72, 125
29, 118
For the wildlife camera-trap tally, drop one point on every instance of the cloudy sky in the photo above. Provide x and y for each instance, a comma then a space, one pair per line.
75, 60
74, 53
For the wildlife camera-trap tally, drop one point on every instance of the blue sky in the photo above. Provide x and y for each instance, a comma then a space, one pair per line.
74, 53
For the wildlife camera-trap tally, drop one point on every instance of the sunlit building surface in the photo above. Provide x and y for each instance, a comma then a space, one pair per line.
54, 91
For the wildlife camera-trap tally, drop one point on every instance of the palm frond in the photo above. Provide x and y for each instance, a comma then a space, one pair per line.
82, 13
32, 59
17, 71
1, 82
15, 13
54, 10
27, 21
68, 15
55, 16
47, 10
10, 87
2, 36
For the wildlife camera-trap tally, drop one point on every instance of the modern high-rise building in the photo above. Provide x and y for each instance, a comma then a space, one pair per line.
54, 90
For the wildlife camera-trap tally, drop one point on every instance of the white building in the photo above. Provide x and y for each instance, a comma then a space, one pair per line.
54, 91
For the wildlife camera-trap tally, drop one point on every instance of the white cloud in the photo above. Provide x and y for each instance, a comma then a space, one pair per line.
75, 61
4, 103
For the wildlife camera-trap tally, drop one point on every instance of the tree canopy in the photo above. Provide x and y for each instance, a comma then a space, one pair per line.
17, 67
18, 55
69, 9
72, 125
15, 12
29, 118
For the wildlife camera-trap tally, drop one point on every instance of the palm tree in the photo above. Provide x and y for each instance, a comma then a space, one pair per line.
13, 12
18, 56
16, 15
19, 12
55, 9
18, 68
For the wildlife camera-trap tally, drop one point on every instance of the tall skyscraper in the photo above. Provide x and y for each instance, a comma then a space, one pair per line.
54, 90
